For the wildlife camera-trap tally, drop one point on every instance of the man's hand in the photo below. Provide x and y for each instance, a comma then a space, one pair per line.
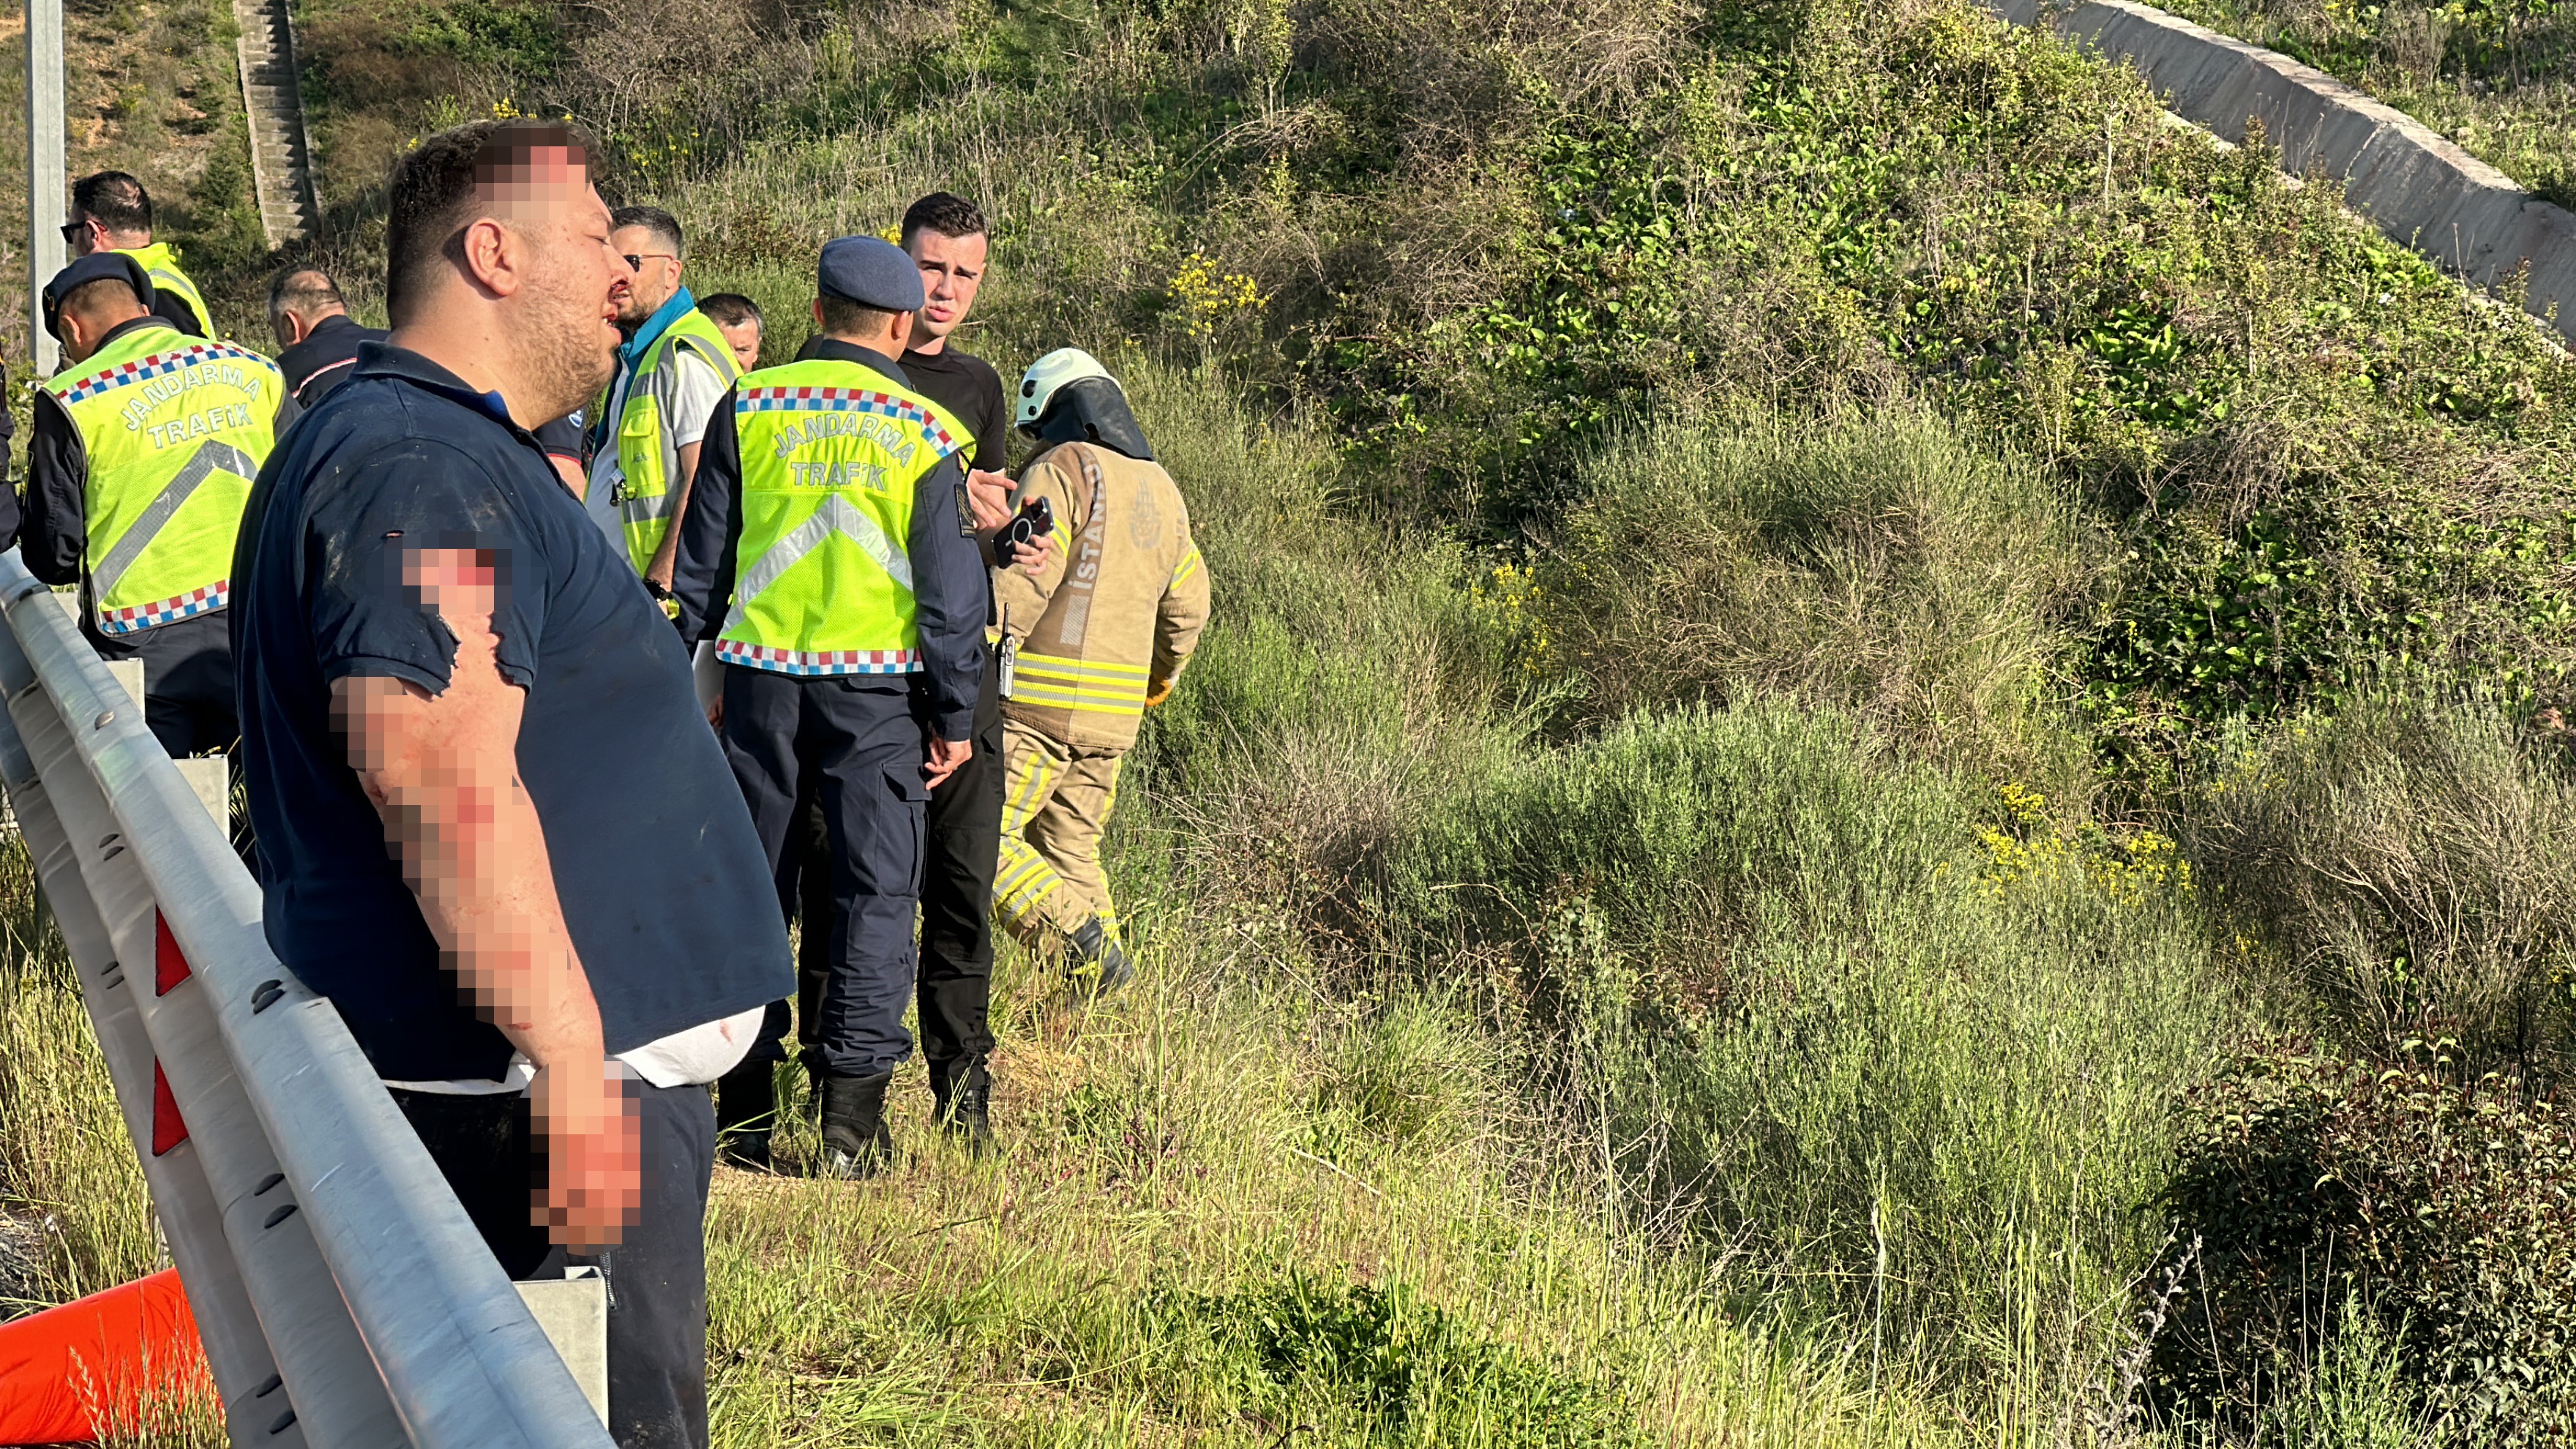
715, 712
1031, 558
592, 1144
1157, 689
989, 495
945, 758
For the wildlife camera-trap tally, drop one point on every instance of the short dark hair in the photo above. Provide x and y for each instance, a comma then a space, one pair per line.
437, 191
105, 294
303, 290
946, 214
114, 199
731, 308
840, 314
664, 226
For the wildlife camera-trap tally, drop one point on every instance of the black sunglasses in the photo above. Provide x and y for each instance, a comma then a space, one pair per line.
635, 262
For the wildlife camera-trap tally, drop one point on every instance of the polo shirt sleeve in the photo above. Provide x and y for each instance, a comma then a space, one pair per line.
172, 308
689, 391
364, 616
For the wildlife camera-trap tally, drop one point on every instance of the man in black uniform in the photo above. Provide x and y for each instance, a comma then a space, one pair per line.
824, 557
947, 238
317, 336
100, 306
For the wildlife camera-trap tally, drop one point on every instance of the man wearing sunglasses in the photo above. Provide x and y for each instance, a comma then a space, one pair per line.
111, 212
671, 373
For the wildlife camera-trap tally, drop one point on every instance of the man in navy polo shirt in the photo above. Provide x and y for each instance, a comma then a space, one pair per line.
493, 826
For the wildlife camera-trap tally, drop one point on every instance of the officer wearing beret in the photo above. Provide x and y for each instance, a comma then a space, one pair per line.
826, 567
145, 446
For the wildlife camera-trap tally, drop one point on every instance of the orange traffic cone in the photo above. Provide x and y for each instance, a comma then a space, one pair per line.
104, 1363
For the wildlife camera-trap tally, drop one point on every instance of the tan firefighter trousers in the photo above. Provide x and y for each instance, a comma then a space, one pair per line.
1056, 800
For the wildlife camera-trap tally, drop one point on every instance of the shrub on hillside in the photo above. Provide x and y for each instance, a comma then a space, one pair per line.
2413, 864
1911, 1078
1352, 1363
1880, 564
2320, 1187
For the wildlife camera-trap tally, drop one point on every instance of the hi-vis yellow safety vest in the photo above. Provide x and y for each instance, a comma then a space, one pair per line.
161, 264
831, 452
175, 429
644, 497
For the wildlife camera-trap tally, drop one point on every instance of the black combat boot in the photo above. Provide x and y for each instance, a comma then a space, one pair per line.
1095, 965
746, 1108
856, 1141
963, 1094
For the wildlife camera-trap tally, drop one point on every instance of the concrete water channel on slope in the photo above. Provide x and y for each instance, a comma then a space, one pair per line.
2419, 189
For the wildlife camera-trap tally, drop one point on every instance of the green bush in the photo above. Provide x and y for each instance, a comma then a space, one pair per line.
1880, 564
521, 39
1353, 1364
1405, 1073
2408, 863
2443, 1214
1914, 1076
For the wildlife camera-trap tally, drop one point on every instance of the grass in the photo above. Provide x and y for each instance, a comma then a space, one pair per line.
1685, 897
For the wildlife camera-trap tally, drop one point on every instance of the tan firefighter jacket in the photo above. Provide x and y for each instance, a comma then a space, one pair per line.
1119, 607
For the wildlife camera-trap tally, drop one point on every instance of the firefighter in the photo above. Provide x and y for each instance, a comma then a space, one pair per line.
144, 450
1097, 637
825, 558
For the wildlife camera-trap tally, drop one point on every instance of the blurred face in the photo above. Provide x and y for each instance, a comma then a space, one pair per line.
565, 312
952, 270
653, 273
744, 338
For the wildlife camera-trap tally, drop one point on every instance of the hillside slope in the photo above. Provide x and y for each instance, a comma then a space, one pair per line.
1832, 646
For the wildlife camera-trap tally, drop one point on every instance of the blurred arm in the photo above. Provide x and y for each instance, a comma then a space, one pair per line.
442, 772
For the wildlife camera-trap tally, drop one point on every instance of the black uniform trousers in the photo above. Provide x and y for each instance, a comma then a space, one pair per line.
963, 844
187, 681
857, 744
657, 1274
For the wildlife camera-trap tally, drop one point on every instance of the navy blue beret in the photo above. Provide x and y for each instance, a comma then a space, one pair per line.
100, 266
870, 272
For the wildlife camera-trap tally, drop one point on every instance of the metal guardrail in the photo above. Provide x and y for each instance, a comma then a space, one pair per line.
341, 1293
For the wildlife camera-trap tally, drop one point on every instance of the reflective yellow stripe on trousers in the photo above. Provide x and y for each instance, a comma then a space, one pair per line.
1025, 878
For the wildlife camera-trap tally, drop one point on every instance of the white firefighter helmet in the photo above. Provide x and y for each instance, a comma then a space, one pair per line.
1049, 375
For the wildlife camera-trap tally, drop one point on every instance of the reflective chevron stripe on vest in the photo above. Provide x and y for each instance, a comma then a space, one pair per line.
175, 430
830, 454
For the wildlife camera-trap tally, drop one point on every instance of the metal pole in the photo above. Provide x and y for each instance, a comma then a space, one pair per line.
47, 171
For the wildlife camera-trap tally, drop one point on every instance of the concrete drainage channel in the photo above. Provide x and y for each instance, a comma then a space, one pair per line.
2420, 190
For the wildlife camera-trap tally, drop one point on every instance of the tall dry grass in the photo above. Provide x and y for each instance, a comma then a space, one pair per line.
2406, 865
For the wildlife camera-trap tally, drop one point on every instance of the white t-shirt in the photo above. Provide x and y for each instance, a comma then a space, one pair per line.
683, 1059
686, 394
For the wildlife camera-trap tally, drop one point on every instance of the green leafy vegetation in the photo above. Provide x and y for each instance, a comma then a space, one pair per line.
2308, 1179
1824, 626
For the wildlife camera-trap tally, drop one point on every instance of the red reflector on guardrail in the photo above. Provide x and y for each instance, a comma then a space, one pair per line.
169, 964
168, 1130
